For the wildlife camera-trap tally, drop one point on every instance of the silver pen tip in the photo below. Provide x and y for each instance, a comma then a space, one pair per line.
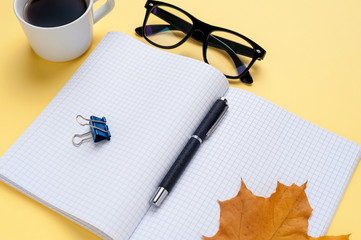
159, 196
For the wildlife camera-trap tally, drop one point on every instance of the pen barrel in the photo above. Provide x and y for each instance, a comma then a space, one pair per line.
180, 164
209, 121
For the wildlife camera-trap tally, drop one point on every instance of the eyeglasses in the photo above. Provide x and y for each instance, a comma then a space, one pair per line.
167, 26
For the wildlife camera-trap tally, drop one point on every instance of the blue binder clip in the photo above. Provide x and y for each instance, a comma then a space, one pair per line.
98, 129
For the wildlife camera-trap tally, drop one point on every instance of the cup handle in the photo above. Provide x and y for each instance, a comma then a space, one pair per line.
103, 10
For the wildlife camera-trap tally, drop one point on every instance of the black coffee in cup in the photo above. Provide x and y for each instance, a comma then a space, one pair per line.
53, 13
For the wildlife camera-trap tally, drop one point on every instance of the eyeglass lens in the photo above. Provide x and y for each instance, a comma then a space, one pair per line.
167, 26
224, 53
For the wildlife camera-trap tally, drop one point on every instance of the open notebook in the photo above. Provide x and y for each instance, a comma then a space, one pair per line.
153, 101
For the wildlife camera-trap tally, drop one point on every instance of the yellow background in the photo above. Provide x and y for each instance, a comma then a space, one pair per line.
312, 68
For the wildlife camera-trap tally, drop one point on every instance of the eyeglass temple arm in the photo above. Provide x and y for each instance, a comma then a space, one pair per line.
177, 23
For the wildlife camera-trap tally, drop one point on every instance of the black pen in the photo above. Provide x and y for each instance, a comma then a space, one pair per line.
204, 130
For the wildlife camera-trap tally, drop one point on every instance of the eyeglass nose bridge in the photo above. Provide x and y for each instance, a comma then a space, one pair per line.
202, 27
201, 37
200, 33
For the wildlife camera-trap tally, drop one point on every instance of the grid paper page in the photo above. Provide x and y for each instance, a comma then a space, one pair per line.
261, 143
152, 100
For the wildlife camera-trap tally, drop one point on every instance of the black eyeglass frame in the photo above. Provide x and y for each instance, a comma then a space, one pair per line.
257, 51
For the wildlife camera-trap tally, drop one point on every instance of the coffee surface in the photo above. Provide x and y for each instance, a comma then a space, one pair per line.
53, 13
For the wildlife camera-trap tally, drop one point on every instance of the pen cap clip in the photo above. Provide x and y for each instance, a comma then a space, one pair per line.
212, 119
211, 130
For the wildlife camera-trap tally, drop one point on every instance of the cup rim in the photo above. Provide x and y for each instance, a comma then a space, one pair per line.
21, 19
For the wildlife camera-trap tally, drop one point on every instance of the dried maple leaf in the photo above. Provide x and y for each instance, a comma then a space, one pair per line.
282, 216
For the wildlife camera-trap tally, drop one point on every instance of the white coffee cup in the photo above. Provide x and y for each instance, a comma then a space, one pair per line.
66, 42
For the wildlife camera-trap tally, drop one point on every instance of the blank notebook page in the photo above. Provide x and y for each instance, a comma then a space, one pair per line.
152, 100
262, 144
